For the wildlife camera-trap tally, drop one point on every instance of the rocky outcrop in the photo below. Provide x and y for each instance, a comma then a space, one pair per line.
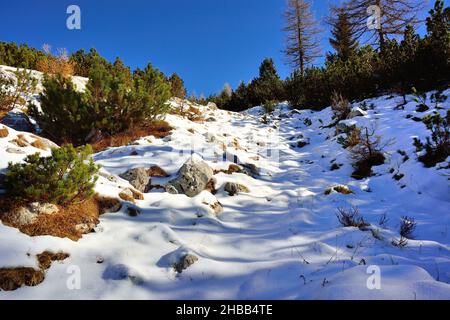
192, 179
138, 178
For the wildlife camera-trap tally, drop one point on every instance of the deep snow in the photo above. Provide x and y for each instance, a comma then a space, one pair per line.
280, 241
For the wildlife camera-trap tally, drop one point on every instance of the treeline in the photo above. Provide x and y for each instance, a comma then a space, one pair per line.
354, 71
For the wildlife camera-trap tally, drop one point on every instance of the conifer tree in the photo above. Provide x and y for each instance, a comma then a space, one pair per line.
178, 89
343, 40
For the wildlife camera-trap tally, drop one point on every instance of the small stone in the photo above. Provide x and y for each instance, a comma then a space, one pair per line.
138, 178
185, 262
235, 188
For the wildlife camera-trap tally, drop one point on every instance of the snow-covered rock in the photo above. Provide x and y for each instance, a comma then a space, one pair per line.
193, 177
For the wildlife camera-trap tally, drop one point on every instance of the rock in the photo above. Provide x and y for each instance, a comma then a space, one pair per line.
192, 179
185, 262
108, 204
26, 215
422, 108
129, 194
217, 208
356, 112
210, 137
133, 212
342, 127
171, 189
15, 151
156, 171
138, 178
211, 119
18, 121
253, 169
85, 227
235, 188
108, 176
211, 105
302, 143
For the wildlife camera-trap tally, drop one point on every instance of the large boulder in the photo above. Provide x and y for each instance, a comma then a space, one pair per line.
138, 178
192, 179
18, 121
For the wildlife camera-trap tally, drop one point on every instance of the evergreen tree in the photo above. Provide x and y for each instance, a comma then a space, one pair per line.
343, 40
177, 84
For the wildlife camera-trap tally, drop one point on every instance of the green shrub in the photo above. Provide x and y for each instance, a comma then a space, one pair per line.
437, 147
65, 177
64, 116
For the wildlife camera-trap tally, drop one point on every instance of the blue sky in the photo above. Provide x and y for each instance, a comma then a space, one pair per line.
207, 42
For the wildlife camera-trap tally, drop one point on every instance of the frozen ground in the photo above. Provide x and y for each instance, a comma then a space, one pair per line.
281, 240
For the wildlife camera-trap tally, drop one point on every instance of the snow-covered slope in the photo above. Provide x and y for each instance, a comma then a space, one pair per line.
281, 240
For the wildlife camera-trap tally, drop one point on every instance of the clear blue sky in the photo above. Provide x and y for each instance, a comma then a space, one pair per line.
207, 42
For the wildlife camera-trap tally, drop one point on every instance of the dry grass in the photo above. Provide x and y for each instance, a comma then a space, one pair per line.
156, 171
158, 129
14, 278
339, 189
4, 132
39, 144
64, 224
56, 64
351, 218
20, 141
46, 258
126, 197
232, 168
192, 113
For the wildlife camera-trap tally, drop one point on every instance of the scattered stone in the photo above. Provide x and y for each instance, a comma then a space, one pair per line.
356, 112
211, 119
85, 228
302, 143
211, 186
235, 188
253, 169
422, 108
108, 176
185, 262
133, 212
108, 204
138, 178
217, 208
26, 215
15, 151
342, 127
192, 179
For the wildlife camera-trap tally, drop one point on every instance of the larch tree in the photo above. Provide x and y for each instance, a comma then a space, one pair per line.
302, 46
380, 19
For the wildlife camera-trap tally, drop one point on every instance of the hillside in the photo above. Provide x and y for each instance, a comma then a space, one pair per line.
278, 236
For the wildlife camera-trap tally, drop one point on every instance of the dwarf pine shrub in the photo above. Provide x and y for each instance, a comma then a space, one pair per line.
65, 177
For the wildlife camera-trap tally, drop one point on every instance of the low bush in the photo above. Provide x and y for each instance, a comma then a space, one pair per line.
437, 147
407, 227
65, 177
351, 218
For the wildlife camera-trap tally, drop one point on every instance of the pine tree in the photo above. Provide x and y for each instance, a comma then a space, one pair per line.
302, 46
178, 89
395, 15
438, 38
343, 40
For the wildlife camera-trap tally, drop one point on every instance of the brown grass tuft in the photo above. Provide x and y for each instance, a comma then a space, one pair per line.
39, 144
46, 258
158, 129
14, 278
64, 224
4, 132
20, 141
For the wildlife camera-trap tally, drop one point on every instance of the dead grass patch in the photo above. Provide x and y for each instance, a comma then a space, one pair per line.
39, 144
339, 189
71, 221
232, 168
156, 171
14, 278
158, 129
4, 132
46, 258
20, 141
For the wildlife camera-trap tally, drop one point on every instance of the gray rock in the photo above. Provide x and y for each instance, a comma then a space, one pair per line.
138, 178
342, 127
15, 151
211, 119
26, 215
192, 179
185, 262
253, 169
18, 121
235, 188
356, 112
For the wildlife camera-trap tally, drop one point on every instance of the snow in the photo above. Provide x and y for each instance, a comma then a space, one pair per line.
280, 241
